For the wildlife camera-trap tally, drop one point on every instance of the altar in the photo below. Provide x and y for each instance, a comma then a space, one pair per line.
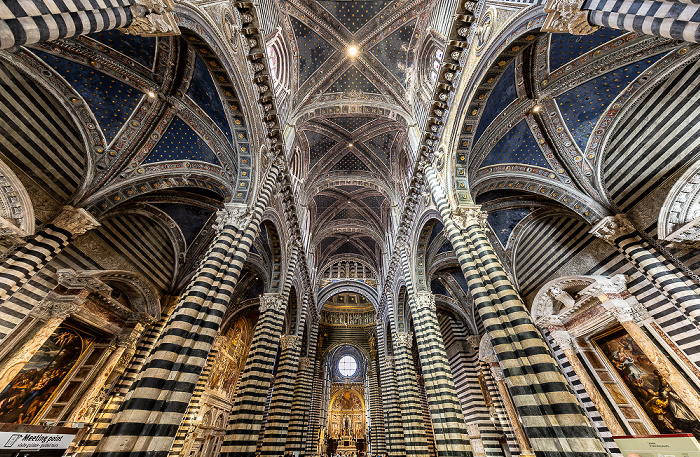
347, 422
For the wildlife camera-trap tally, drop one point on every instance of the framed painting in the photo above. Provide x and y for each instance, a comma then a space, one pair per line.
649, 388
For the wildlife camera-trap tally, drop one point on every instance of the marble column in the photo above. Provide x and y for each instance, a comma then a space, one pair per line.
553, 420
50, 313
249, 406
19, 265
565, 342
277, 426
615, 298
523, 442
661, 272
407, 384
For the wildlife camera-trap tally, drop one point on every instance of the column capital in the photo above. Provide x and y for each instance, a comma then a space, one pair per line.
75, 220
497, 372
474, 341
292, 342
304, 363
55, 305
468, 215
389, 359
567, 16
153, 18
425, 300
404, 339
236, 214
623, 311
274, 302
611, 228
614, 287
562, 337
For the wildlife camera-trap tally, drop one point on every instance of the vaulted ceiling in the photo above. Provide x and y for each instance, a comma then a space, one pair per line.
354, 142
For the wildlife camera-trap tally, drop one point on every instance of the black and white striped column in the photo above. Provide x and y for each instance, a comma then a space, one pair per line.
247, 419
390, 401
376, 403
415, 439
679, 20
550, 413
24, 22
149, 418
662, 273
20, 265
247, 416
449, 427
302, 404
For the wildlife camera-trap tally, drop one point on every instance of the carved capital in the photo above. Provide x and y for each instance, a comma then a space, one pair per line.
304, 363
497, 372
425, 300
624, 311
71, 279
273, 302
474, 341
614, 287
389, 360
567, 16
404, 339
59, 306
611, 228
235, 214
561, 337
469, 215
152, 18
292, 342
75, 220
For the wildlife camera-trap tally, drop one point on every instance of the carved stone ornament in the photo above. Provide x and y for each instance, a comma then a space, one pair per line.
292, 342
404, 339
561, 337
71, 279
58, 306
623, 311
77, 221
274, 302
474, 341
235, 214
466, 216
153, 18
497, 372
425, 300
304, 363
611, 228
607, 288
567, 16
679, 217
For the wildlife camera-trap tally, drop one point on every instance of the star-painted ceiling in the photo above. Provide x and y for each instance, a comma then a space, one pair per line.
354, 14
180, 142
110, 100
353, 80
141, 49
351, 123
393, 51
313, 50
350, 163
517, 146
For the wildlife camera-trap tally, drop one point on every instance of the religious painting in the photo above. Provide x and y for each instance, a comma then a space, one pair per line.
32, 388
233, 348
651, 390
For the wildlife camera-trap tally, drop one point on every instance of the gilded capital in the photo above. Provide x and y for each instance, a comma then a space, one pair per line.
466, 216
292, 342
235, 214
425, 300
611, 228
567, 16
75, 220
404, 339
274, 302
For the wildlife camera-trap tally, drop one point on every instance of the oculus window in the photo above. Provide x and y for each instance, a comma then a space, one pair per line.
347, 365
